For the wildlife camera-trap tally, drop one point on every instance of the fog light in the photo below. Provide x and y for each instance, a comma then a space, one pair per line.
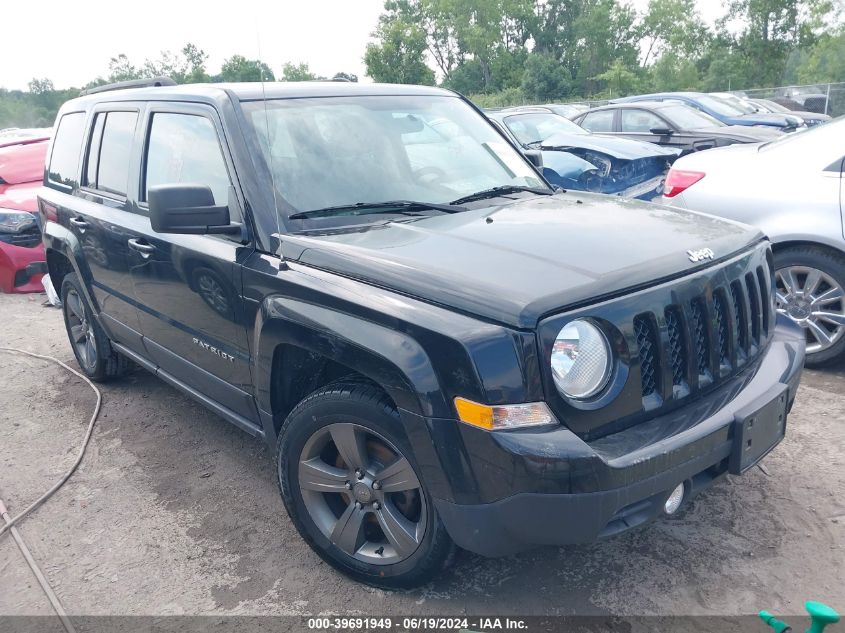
674, 501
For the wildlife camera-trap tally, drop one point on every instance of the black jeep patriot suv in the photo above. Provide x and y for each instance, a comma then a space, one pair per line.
443, 349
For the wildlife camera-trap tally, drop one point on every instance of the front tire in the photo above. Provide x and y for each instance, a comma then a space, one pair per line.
810, 284
349, 483
90, 344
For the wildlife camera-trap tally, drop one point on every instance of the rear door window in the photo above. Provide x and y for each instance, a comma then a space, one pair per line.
601, 121
67, 145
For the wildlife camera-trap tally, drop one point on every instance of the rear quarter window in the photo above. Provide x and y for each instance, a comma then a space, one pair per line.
67, 145
115, 152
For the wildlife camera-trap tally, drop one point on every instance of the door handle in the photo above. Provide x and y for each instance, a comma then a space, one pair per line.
141, 246
79, 223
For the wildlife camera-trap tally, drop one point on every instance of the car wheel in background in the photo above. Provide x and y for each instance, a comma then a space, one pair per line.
350, 486
810, 284
90, 344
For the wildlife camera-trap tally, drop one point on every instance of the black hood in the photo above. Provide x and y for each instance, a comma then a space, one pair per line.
517, 262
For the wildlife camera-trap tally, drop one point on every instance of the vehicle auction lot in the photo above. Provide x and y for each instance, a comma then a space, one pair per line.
175, 511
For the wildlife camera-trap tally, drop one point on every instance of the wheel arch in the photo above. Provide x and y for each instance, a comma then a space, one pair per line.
300, 346
58, 267
829, 246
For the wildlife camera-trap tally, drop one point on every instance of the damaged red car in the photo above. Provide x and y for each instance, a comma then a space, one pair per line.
22, 261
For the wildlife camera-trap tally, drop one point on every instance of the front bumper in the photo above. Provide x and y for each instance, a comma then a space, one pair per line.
559, 489
21, 268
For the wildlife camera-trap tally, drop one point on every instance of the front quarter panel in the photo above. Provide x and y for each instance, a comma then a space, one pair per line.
423, 355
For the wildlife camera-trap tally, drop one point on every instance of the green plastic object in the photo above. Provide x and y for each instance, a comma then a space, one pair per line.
821, 615
773, 622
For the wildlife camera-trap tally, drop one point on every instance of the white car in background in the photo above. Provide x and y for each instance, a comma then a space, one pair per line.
793, 189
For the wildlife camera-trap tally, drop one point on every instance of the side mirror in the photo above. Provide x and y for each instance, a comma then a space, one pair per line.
187, 209
535, 157
661, 131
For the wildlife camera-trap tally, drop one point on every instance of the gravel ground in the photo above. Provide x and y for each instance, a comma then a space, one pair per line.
174, 511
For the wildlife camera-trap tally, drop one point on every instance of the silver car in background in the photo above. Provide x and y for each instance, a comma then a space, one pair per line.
792, 188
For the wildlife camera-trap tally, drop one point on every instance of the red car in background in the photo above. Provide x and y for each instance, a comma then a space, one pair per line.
22, 261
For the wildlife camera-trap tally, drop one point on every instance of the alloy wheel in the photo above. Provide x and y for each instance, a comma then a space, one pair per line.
362, 494
81, 332
815, 301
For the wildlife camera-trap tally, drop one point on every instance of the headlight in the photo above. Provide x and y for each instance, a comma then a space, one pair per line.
15, 221
581, 360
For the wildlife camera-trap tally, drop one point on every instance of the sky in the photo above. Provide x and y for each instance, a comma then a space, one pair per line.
71, 42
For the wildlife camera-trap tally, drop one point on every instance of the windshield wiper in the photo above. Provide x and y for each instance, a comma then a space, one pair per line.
367, 208
501, 190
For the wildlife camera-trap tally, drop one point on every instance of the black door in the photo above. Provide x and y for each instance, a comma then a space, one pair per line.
101, 221
189, 286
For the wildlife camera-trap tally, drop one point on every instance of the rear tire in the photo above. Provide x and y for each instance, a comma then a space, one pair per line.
810, 284
333, 449
90, 345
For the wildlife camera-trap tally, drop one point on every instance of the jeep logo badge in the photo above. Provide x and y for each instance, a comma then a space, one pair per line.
700, 255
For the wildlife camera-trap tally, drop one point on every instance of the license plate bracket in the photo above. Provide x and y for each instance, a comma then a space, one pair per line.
757, 429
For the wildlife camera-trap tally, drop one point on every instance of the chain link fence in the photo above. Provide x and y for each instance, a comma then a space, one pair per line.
822, 98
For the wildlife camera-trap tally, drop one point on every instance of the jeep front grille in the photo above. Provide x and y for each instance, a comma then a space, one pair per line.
677, 347
675, 342
734, 316
647, 344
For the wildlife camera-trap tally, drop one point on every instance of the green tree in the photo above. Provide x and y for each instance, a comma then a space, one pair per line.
672, 26
121, 69
605, 35
239, 68
41, 86
399, 56
619, 79
769, 31
545, 79
672, 73
297, 72
342, 76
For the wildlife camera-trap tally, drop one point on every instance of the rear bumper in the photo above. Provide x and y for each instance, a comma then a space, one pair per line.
21, 268
616, 483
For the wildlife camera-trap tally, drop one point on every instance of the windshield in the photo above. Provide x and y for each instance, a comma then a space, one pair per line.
771, 106
536, 127
739, 104
337, 151
686, 118
719, 106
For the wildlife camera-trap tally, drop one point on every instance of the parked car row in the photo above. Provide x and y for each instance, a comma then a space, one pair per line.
764, 164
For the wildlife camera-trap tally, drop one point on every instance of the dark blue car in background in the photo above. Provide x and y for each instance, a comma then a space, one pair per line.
574, 158
719, 109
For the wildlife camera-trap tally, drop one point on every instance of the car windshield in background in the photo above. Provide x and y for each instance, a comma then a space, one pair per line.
686, 118
737, 103
721, 107
536, 127
771, 106
345, 151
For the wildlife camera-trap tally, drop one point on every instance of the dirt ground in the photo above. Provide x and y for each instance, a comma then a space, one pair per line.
175, 511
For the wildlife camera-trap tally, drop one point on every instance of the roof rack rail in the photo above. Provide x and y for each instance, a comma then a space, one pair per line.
126, 85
